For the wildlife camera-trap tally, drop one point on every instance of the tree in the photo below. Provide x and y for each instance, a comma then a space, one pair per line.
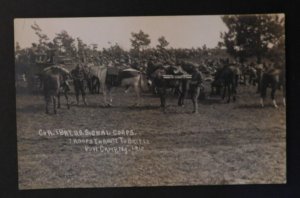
43, 38
81, 48
65, 43
162, 43
140, 41
252, 35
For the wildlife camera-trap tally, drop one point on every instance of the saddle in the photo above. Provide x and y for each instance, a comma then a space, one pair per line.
112, 77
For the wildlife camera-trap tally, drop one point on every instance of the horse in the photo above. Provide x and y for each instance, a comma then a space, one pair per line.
53, 79
111, 77
156, 73
227, 77
274, 78
93, 84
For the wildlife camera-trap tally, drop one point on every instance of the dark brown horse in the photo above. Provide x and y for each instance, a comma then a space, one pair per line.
275, 79
158, 74
54, 78
227, 78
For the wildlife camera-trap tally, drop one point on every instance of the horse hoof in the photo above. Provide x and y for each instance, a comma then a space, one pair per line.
108, 105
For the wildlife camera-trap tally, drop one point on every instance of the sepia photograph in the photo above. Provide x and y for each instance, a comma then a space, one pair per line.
150, 101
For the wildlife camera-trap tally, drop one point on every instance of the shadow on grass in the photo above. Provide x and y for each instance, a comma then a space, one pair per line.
37, 108
211, 101
101, 106
252, 106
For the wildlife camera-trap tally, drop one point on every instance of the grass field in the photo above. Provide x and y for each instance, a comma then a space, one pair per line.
236, 143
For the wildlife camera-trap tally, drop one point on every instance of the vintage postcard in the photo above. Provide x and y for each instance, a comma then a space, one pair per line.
150, 101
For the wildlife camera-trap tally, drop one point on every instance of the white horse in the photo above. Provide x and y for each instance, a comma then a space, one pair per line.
127, 78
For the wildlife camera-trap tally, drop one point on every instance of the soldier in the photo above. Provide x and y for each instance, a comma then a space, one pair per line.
78, 75
195, 87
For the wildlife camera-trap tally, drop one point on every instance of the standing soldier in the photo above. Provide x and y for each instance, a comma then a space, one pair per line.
78, 75
195, 87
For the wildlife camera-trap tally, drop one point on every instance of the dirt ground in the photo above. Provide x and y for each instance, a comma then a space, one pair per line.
236, 143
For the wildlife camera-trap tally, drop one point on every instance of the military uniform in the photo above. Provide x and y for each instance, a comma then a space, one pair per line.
78, 75
195, 87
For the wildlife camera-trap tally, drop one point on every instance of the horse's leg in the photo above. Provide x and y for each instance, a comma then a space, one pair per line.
76, 85
183, 93
233, 93
67, 98
54, 104
137, 91
110, 96
84, 99
109, 92
258, 85
224, 92
82, 90
106, 91
212, 90
180, 99
275, 104
229, 92
244, 79
263, 93
127, 89
283, 92
47, 100
162, 95
237, 80
58, 100
273, 95
105, 97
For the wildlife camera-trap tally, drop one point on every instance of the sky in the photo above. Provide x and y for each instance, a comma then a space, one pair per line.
179, 31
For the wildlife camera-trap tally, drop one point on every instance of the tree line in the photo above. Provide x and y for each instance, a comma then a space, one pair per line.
248, 36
